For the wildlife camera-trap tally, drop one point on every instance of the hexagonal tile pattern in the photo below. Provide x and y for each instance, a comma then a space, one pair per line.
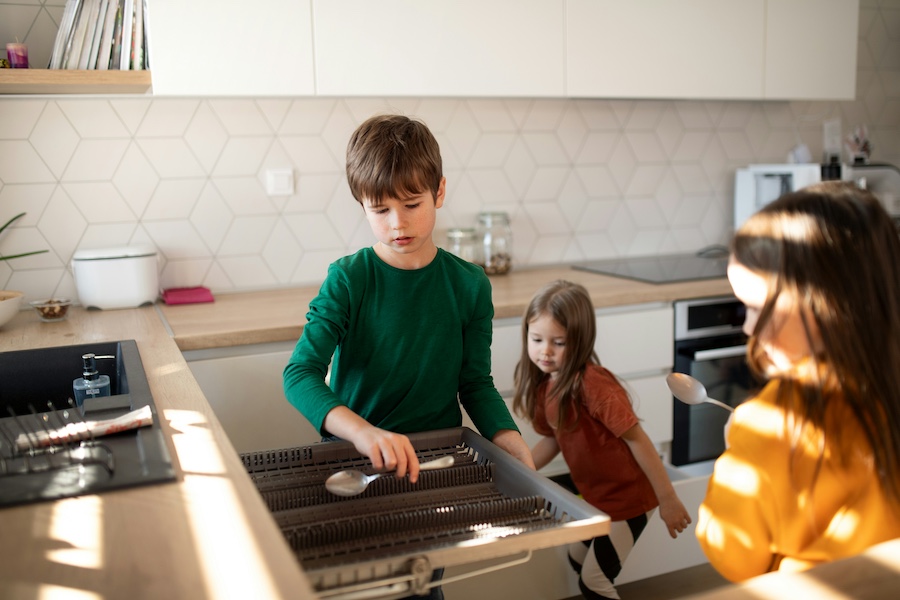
581, 178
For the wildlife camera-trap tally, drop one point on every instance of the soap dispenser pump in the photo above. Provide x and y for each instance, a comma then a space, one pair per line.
91, 384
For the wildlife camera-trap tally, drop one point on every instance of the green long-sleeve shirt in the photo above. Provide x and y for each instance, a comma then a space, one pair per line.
405, 344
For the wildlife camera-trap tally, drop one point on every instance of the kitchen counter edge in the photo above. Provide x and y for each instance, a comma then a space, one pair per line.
278, 315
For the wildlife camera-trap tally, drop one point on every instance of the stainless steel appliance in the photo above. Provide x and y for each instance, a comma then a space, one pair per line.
708, 264
709, 346
35, 399
385, 542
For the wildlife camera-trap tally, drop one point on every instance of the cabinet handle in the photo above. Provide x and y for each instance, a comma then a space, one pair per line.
720, 353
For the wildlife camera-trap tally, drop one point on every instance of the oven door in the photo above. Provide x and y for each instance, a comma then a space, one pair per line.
719, 363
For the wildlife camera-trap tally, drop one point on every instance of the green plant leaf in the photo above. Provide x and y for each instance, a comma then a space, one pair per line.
2, 229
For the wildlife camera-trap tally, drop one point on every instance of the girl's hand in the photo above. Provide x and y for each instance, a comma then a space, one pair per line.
674, 515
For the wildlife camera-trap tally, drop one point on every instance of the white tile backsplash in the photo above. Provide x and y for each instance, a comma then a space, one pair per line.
582, 179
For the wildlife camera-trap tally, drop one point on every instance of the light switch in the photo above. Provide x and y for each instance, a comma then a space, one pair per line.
280, 182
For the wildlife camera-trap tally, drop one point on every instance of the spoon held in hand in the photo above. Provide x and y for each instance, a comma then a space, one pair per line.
690, 391
351, 482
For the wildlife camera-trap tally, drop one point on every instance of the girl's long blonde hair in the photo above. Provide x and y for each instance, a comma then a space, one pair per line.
569, 304
834, 248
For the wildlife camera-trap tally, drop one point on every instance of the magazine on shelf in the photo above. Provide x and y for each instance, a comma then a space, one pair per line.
101, 34
137, 55
106, 40
127, 31
74, 53
90, 29
64, 34
116, 51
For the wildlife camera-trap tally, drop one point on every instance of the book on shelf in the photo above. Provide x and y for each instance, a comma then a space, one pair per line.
90, 29
137, 52
64, 34
106, 39
127, 30
101, 34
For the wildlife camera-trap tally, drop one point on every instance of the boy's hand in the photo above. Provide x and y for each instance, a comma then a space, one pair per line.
386, 450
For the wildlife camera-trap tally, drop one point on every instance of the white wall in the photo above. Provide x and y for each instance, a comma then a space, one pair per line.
582, 179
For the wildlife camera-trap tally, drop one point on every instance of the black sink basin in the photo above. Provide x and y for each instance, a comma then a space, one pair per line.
35, 379
36, 395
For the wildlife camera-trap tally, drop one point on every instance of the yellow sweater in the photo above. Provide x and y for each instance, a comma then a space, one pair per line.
762, 514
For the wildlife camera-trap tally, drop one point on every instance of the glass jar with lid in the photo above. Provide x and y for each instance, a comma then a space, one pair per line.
496, 237
465, 243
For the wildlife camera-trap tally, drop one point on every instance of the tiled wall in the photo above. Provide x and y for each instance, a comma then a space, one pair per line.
581, 179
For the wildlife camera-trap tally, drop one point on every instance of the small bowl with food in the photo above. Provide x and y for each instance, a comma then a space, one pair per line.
10, 302
52, 309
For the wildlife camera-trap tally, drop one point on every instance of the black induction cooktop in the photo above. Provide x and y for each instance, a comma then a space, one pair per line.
671, 268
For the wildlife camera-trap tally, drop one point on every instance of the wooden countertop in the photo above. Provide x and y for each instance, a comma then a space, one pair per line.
279, 315
206, 535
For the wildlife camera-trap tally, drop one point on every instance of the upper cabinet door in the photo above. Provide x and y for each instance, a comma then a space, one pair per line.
811, 49
665, 49
231, 47
439, 48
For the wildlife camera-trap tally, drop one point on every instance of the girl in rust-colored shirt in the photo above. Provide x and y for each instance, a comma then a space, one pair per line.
583, 411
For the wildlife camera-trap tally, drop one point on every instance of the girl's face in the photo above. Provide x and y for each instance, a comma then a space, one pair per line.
546, 344
783, 339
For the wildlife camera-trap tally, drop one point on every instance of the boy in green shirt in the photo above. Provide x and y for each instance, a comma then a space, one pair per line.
409, 325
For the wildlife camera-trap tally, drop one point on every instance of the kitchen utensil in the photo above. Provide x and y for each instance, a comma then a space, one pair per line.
690, 391
351, 482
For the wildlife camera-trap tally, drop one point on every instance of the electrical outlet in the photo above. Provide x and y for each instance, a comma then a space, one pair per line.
280, 182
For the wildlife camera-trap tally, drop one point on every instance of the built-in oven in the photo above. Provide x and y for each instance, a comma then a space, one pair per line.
711, 347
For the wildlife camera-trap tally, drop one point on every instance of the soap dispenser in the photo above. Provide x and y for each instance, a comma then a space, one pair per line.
91, 384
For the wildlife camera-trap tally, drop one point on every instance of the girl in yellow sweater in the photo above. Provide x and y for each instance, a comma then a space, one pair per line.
812, 469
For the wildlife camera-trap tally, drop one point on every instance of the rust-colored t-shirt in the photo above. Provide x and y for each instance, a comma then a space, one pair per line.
600, 462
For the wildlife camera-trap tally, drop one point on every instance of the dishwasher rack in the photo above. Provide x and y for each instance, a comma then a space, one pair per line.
385, 542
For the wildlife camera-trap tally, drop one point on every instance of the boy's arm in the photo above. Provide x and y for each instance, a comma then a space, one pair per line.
511, 441
386, 450
544, 451
671, 510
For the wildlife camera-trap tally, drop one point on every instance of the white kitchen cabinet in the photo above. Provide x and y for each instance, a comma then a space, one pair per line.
636, 343
665, 49
655, 552
717, 49
811, 49
231, 48
439, 48
243, 385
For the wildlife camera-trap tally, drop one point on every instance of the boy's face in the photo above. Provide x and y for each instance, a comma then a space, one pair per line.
403, 228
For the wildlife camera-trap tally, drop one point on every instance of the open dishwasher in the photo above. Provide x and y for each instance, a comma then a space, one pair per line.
385, 542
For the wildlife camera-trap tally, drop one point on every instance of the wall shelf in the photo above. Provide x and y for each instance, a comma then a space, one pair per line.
59, 81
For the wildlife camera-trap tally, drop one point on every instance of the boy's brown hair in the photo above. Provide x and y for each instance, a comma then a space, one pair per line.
392, 156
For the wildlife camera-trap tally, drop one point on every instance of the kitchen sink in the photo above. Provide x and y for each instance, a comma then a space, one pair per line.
37, 378
36, 397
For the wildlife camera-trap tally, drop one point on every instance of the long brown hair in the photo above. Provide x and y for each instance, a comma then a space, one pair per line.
834, 248
569, 304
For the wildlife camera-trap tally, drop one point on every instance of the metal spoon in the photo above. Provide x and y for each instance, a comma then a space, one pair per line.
690, 391
351, 482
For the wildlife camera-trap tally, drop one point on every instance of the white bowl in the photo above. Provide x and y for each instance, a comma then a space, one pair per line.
10, 302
